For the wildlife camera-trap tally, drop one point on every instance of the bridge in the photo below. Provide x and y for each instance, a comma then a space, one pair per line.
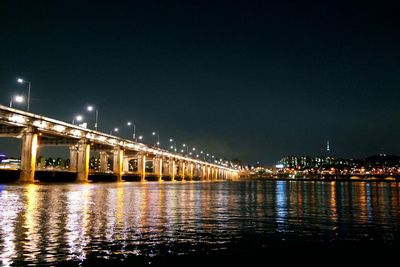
38, 131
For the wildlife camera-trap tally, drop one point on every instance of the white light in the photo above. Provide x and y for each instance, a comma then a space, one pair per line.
184, 145
171, 139
116, 129
158, 143
153, 133
59, 128
19, 98
20, 80
194, 149
171, 147
128, 123
140, 137
79, 118
17, 119
90, 108
181, 150
101, 138
40, 124
76, 132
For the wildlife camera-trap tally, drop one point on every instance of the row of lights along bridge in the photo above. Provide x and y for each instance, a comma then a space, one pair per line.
185, 150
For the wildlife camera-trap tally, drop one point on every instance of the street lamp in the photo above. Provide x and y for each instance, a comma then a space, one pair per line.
158, 138
20, 80
134, 130
78, 118
187, 148
140, 137
17, 98
115, 130
90, 109
171, 140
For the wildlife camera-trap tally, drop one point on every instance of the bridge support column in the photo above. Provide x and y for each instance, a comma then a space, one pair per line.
191, 170
182, 169
28, 156
203, 172
141, 166
73, 158
118, 158
171, 169
83, 161
125, 165
157, 167
103, 161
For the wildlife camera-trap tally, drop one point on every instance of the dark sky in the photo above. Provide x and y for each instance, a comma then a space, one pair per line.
255, 80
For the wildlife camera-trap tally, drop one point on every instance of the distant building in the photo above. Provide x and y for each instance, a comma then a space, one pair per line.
306, 162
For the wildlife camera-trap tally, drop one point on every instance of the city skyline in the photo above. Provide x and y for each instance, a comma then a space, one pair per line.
249, 81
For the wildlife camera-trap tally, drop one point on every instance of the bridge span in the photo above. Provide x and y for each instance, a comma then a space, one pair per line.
38, 131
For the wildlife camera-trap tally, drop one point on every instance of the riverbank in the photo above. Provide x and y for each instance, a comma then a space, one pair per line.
339, 178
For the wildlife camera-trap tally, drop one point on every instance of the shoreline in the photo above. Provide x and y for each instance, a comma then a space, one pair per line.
336, 178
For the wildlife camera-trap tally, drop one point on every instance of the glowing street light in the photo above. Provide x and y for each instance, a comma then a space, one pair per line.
17, 98
115, 131
158, 138
134, 130
20, 80
78, 118
173, 147
187, 148
140, 137
90, 109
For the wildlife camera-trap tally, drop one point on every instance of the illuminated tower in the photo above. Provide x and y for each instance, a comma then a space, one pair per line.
327, 146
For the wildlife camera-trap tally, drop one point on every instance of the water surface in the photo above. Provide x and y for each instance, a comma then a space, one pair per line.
149, 222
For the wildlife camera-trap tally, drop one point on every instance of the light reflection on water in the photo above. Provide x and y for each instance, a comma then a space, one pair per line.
50, 223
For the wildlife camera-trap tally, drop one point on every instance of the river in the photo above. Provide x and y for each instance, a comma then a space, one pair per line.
159, 222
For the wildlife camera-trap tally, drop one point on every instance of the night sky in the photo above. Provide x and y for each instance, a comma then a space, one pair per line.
241, 79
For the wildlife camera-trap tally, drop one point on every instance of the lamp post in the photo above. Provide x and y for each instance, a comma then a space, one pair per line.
78, 118
134, 130
173, 147
115, 130
20, 80
187, 149
17, 98
158, 138
90, 109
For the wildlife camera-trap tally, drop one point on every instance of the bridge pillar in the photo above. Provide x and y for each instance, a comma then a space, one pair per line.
171, 169
103, 161
182, 169
157, 167
141, 166
191, 170
203, 172
83, 161
118, 158
73, 158
125, 165
28, 155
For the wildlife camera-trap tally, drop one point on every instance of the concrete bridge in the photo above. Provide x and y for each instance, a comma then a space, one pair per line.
39, 131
